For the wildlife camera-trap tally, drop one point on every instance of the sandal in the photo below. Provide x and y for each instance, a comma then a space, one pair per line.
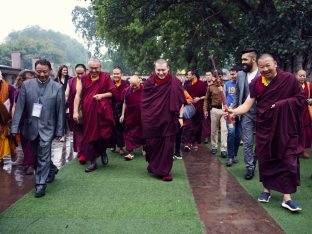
121, 152
129, 157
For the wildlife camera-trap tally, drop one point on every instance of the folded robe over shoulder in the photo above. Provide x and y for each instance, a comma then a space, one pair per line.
279, 130
98, 118
160, 107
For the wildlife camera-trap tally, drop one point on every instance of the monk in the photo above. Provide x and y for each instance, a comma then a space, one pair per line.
29, 157
206, 129
280, 106
302, 78
162, 116
95, 93
131, 116
193, 129
76, 128
118, 131
7, 99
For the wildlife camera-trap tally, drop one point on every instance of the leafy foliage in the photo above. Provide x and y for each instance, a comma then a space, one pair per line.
188, 32
36, 42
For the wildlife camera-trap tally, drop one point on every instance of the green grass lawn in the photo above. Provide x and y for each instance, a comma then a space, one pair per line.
298, 223
119, 198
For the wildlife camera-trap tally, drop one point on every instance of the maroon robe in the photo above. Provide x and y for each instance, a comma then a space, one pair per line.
159, 113
118, 131
279, 131
29, 157
133, 125
306, 118
193, 129
73, 126
98, 119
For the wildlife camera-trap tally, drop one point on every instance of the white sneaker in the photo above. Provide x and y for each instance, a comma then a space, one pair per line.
177, 157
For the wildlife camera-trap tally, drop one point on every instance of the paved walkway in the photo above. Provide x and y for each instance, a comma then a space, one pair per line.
223, 205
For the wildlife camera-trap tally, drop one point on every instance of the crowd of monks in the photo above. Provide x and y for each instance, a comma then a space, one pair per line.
109, 113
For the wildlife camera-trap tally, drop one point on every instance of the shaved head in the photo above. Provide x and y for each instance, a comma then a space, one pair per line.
94, 61
265, 56
135, 81
161, 61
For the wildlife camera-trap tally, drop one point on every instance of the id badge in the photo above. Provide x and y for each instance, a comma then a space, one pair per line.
37, 108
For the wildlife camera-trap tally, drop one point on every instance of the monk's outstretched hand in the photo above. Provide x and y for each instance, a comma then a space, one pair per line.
75, 117
121, 119
181, 123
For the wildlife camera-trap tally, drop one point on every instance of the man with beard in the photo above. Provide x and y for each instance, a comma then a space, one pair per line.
95, 92
279, 123
250, 71
162, 116
118, 131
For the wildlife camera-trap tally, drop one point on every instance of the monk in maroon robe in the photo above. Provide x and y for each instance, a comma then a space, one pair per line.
131, 116
161, 114
302, 77
76, 128
96, 91
29, 157
118, 131
279, 129
192, 132
206, 128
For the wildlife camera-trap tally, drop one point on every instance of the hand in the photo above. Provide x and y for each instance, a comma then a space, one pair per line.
206, 114
196, 99
181, 123
229, 112
220, 88
273, 106
121, 119
75, 116
98, 97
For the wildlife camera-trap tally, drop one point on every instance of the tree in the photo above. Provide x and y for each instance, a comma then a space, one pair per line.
37, 42
85, 23
187, 32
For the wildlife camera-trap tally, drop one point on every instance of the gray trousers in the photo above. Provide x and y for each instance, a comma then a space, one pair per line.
248, 126
43, 159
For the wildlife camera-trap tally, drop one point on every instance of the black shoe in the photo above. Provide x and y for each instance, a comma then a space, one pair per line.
40, 190
230, 162
223, 154
51, 175
249, 174
104, 159
91, 167
213, 152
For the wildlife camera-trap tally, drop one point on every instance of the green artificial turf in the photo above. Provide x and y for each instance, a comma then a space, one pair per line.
119, 198
290, 222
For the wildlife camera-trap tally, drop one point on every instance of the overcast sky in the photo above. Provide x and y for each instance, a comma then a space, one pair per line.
48, 14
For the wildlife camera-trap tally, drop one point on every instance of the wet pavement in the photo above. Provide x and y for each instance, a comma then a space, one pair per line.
222, 203
14, 184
